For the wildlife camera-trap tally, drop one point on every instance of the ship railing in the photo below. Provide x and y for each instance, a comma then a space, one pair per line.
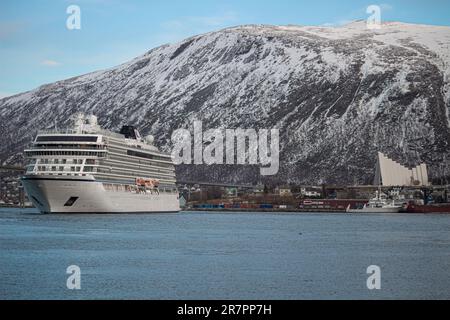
55, 146
73, 131
58, 131
119, 187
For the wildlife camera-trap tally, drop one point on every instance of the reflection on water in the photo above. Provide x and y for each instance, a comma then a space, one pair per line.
223, 256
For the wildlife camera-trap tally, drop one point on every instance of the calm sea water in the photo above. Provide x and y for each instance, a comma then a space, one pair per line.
223, 256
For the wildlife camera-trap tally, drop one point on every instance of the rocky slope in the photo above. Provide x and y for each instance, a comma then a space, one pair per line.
337, 95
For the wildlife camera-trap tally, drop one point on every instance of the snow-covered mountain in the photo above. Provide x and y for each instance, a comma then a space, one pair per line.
338, 96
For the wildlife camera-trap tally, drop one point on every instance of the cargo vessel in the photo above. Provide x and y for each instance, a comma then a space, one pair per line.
411, 207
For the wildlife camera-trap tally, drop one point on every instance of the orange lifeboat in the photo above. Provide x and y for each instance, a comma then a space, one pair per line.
147, 183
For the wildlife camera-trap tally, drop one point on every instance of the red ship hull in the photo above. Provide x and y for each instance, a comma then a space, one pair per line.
436, 208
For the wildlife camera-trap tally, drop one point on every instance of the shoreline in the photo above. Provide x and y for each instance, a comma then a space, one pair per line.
261, 210
15, 207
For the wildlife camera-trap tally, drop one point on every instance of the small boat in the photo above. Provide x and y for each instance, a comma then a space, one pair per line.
379, 204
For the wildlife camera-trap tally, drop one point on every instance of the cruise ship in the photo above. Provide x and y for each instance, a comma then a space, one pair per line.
86, 169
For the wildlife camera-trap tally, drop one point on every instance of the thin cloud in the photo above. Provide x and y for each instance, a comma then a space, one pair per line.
199, 21
215, 21
50, 63
386, 7
178, 29
357, 15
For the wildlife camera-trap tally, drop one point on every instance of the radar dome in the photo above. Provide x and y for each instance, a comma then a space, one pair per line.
149, 139
92, 120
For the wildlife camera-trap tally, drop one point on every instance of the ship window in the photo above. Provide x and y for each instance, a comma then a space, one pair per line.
61, 168
64, 161
70, 202
143, 155
67, 138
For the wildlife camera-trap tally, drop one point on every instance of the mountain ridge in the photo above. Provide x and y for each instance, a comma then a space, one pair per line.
338, 96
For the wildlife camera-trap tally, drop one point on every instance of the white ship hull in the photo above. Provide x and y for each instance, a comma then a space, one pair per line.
52, 194
375, 210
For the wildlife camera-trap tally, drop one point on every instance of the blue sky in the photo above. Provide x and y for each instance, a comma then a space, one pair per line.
37, 48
